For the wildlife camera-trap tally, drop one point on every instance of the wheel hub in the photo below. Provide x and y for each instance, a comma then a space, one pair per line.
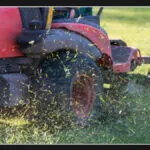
83, 95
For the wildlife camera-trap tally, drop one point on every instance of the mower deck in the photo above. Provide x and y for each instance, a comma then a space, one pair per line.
124, 57
120, 54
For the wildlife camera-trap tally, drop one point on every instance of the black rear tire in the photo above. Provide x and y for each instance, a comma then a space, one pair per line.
60, 76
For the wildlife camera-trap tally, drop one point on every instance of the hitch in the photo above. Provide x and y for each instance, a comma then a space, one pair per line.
146, 59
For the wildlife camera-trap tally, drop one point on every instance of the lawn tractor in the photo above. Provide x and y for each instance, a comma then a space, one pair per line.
55, 57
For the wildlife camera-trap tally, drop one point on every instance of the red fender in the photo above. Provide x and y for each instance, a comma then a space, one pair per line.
10, 28
98, 38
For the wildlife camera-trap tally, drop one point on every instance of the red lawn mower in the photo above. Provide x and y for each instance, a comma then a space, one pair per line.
58, 60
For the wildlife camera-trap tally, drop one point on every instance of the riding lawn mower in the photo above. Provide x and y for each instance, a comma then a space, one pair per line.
58, 59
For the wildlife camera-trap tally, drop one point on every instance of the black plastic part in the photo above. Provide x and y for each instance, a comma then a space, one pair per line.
118, 42
35, 24
29, 37
31, 15
61, 12
100, 11
44, 12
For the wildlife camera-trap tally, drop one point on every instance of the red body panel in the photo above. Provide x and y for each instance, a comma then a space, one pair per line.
10, 27
102, 42
95, 35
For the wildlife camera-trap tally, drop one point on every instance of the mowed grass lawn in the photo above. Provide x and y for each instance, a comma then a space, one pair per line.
133, 26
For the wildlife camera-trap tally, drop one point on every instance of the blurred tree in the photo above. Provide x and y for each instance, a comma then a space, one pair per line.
83, 11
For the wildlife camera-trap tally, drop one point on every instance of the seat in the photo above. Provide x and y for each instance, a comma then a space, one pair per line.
28, 15
31, 18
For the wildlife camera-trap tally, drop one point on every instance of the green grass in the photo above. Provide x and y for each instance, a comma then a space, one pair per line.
130, 24
128, 123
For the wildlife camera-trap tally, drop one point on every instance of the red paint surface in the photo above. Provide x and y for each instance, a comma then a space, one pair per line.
102, 42
98, 38
10, 28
